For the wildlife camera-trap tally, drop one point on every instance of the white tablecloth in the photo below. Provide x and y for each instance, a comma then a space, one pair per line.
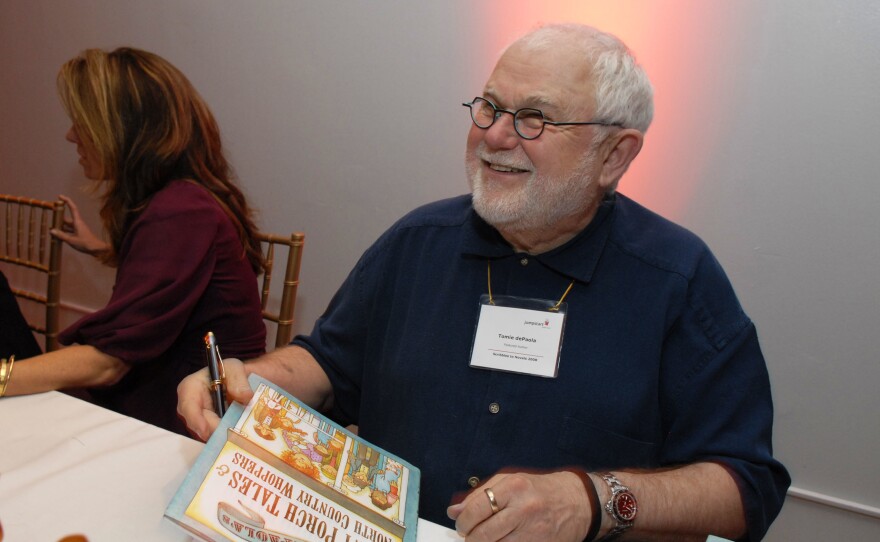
69, 467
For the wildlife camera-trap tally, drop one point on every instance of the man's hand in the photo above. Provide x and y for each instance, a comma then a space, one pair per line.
77, 234
550, 506
291, 368
194, 403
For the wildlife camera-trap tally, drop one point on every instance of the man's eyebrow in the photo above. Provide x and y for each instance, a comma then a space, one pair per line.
540, 102
536, 101
491, 96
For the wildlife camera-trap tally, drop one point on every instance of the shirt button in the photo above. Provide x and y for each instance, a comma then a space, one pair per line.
494, 408
473, 481
524, 262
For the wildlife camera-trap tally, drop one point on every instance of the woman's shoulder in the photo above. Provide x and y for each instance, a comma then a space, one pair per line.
181, 212
182, 196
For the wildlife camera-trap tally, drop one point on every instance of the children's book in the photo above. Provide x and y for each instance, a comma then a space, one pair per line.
277, 470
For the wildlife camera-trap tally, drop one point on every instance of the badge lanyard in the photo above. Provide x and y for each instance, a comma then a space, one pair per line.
554, 308
520, 335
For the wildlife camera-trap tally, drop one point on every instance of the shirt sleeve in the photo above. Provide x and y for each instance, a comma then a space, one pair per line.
338, 341
718, 407
166, 263
15, 335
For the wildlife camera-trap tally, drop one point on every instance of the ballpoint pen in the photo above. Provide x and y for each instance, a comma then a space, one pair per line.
218, 376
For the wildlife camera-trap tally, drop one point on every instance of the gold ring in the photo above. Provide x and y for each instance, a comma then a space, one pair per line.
492, 502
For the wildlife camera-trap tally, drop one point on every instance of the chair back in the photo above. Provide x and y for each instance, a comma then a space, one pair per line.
283, 317
27, 243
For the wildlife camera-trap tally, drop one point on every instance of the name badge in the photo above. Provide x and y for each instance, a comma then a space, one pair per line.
519, 335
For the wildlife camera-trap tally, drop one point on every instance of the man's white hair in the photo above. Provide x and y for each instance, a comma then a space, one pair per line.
623, 93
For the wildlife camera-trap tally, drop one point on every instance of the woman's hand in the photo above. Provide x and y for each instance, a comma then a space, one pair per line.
77, 234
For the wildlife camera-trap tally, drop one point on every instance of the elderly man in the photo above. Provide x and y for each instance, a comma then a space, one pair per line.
649, 416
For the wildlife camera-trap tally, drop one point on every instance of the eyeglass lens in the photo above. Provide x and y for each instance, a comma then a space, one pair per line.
528, 123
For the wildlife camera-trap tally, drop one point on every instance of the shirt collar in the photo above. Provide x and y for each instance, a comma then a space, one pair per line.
576, 259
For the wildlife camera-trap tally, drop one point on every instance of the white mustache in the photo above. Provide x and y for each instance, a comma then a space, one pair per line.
511, 159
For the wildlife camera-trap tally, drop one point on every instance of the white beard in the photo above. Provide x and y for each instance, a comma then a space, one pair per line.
541, 203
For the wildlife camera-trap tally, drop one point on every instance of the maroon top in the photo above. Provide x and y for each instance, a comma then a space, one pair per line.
182, 272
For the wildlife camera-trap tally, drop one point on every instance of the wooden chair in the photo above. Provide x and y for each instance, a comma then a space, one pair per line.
27, 243
284, 316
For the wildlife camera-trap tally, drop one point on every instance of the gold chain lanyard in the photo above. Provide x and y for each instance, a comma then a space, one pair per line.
554, 308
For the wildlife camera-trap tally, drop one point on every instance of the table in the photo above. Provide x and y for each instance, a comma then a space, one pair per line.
70, 467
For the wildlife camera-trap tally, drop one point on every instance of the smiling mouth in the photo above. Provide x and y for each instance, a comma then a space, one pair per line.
504, 169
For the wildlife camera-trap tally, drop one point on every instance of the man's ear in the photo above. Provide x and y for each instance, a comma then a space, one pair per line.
619, 150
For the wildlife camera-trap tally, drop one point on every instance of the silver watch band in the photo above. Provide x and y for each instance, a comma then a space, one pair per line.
622, 506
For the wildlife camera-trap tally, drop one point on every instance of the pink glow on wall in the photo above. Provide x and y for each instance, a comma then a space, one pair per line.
681, 45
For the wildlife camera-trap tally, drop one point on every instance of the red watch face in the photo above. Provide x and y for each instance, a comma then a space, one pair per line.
625, 506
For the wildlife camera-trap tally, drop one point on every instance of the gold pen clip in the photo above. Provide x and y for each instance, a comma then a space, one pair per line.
214, 360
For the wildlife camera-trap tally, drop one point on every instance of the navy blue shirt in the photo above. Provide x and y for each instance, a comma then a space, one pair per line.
659, 364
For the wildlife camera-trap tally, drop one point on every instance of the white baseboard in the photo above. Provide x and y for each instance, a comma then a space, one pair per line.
834, 502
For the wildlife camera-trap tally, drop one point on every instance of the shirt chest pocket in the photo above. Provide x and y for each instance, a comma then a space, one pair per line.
597, 448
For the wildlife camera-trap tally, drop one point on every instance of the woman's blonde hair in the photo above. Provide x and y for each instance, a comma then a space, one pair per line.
148, 126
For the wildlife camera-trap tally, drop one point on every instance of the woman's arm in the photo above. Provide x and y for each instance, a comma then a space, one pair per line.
72, 367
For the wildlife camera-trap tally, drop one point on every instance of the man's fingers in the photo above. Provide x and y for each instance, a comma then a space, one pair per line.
195, 417
237, 387
194, 404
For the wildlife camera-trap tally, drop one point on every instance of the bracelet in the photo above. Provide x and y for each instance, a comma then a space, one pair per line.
593, 495
5, 373
3, 364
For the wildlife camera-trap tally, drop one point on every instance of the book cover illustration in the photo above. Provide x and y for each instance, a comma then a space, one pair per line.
277, 470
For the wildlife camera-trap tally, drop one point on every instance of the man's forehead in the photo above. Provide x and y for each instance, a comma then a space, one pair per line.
540, 86
538, 99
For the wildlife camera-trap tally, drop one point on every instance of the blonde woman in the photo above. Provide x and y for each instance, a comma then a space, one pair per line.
178, 231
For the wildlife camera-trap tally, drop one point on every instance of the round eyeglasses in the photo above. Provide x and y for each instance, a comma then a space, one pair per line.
528, 122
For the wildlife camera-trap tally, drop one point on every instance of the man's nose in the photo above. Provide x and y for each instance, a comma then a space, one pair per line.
502, 134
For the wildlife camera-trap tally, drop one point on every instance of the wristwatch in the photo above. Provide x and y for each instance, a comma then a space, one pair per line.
622, 506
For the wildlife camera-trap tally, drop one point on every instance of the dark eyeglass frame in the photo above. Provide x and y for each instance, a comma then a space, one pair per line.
517, 117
